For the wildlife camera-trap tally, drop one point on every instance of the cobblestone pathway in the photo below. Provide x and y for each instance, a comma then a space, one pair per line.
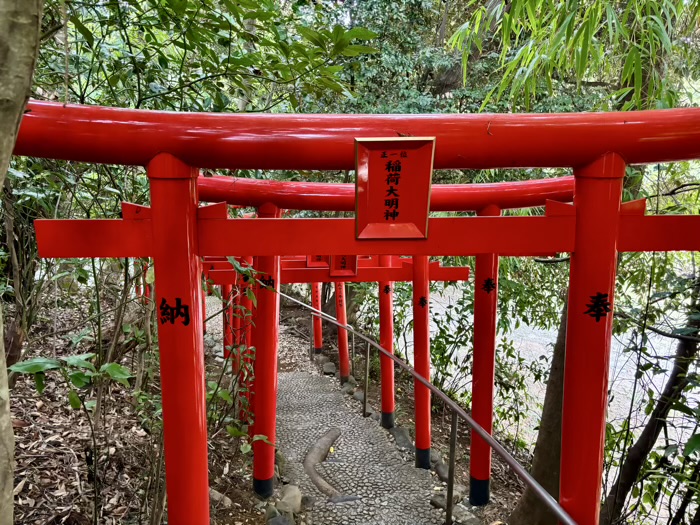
363, 461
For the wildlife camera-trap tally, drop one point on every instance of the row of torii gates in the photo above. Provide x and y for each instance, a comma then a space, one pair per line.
391, 202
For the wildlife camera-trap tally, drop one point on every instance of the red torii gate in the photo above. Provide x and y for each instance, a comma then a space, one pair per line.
295, 270
176, 234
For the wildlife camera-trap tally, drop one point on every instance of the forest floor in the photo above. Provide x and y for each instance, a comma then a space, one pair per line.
68, 466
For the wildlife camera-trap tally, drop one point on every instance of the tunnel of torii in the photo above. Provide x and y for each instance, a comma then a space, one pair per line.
179, 235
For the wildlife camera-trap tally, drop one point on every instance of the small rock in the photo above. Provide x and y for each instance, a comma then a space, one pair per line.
359, 395
280, 520
458, 492
280, 460
434, 456
343, 499
402, 437
307, 502
376, 416
329, 369
271, 512
347, 389
322, 359
352, 380
291, 495
439, 501
218, 497
442, 471
461, 515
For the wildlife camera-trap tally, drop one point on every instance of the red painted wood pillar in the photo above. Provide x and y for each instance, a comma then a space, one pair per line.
265, 340
597, 197
227, 299
318, 326
342, 316
386, 341
421, 357
485, 308
178, 287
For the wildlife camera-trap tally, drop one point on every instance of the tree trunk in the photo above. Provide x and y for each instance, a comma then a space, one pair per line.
20, 23
677, 381
545, 462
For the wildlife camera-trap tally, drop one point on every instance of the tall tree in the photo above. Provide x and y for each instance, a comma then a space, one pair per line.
20, 23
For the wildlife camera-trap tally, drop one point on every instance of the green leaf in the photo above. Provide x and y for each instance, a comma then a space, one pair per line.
36, 365
87, 34
116, 372
360, 33
354, 50
80, 361
80, 379
40, 382
246, 448
74, 400
235, 432
692, 445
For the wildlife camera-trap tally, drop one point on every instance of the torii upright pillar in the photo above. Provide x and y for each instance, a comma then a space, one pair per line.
485, 308
597, 199
317, 322
179, 298
342, 316
266, 340
421, 358
386, 341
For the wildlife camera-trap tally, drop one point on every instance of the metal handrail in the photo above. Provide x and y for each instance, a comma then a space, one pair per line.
517, 468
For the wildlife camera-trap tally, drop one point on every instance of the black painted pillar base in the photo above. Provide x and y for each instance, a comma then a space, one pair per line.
344, 379
479, 491
318, 350
388, 420
423, 458
264, 487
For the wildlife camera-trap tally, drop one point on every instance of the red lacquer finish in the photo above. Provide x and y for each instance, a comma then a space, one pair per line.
485, 311
386, 341
421, 358
341, 197
178, 286
266, 340
318, 326
393, 187
326, 142
588, 336
342, 316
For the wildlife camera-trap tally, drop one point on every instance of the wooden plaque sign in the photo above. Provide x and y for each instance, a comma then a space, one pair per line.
393, 187
317, 261
343, 266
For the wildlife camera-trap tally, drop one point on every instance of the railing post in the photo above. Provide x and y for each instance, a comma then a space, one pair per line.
451, 470
485, 310
366, 385
597, 199
386, 341
236, 327
178, 272
421, 357
265, 340
317, 333
245, 371
341, 314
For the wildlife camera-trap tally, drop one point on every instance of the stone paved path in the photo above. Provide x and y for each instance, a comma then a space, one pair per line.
364, 462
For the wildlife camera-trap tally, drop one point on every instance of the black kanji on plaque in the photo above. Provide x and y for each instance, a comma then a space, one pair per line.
268, 281
422, 302
343, 262
384, 155
489, 285
387, 289
168, 313
393, 166
391, 203
390, 214
404, 154
599, 306
391, 192
393, 178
